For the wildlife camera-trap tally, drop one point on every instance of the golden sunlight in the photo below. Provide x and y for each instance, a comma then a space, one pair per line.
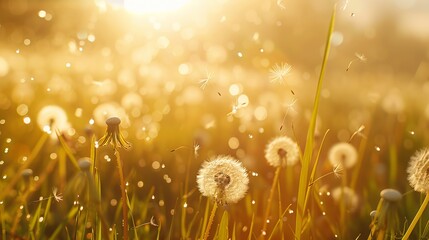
153, 6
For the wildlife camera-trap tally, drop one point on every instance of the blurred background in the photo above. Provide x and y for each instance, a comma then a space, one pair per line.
190, 76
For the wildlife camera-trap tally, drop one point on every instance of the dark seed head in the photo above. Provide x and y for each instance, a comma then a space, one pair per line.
84, 164
281, 152
27, 173
113, 121
222, 179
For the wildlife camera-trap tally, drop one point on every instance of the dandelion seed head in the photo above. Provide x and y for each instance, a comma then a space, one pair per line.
52, 117
223, 178
393, 102
347, 195
418, 171
282, 151
343, 154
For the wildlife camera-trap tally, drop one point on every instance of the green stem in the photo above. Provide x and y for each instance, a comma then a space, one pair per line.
308, 153
212, 215
416, 218
124, 197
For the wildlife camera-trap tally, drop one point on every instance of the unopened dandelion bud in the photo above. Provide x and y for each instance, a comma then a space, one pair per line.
391, 195
27, 173
113, 121
84, 164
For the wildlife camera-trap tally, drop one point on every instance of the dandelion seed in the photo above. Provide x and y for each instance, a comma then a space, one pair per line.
289, 107
358, 132
282, 151
57, 196
343, 154
205, 81
224, 179
278, 73
196, 149
359, 57
113, 134
338, 170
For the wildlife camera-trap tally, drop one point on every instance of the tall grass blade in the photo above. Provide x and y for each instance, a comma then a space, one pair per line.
308, 152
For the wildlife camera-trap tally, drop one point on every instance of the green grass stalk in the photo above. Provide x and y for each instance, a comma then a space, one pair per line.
124, 196
416, 218
303, 179
270, 199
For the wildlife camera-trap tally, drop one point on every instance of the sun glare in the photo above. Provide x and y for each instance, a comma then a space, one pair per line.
153, 6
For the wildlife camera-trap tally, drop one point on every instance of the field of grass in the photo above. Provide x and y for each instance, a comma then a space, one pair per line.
213, 120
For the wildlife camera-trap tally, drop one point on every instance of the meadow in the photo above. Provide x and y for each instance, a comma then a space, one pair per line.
214, 119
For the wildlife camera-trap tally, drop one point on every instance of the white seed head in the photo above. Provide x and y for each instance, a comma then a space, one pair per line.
418, 171
343, 154
52, 117
282, 151
347, 195
393, 102
223, 178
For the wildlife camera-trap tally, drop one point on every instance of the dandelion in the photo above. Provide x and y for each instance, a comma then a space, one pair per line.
393, 102
343, 154
224, 179
282, 151
113, 134
385, 219
346, 195
418, 177
52, 117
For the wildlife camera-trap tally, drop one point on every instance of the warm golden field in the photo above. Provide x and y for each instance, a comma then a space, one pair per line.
242, 119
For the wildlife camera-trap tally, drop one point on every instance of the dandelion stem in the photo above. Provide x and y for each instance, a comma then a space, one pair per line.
416, 218
209, 224
270, 199
124, 197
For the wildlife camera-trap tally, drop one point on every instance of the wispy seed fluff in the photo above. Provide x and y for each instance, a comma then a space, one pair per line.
418, 171
224, 179
282, 151
343, 154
